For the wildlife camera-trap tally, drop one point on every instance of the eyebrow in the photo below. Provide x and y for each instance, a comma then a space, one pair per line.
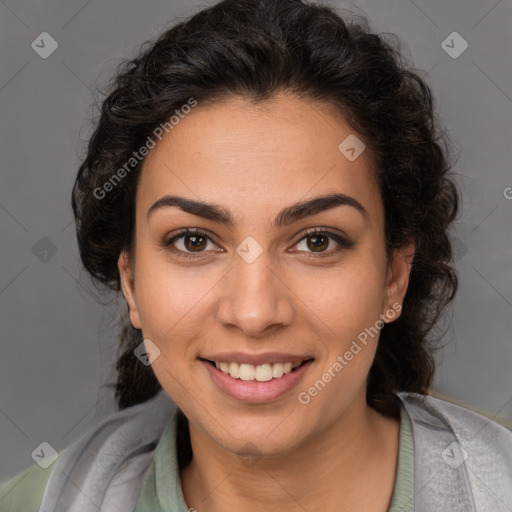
287, 216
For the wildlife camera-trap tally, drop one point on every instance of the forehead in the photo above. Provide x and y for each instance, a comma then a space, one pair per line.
257, 158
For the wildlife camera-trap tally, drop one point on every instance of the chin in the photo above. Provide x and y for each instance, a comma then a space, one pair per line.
259, 439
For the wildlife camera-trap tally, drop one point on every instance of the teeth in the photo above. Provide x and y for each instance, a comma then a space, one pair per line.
260, 373
234, 370
277, 370
247, 372
263, 373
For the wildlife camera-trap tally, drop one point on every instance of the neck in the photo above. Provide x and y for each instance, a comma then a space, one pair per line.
351, 465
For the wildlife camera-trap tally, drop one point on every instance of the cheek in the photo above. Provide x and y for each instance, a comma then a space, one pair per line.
344, 308
170, 299
347, 315
346, 299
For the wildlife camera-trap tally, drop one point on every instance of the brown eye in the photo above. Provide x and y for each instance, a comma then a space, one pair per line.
189, 243
316, 242
194, 243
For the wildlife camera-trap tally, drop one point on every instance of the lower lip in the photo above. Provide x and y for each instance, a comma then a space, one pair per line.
254, 391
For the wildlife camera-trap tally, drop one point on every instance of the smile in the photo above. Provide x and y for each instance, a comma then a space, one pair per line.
256, 383
261, 373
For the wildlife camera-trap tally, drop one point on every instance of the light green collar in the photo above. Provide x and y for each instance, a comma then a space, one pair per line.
161, 489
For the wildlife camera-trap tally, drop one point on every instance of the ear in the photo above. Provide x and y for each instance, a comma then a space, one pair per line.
127, 285
398, 278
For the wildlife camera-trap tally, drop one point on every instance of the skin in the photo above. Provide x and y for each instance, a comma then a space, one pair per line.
335, 453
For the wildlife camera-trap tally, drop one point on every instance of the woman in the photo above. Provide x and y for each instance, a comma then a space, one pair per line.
268, 189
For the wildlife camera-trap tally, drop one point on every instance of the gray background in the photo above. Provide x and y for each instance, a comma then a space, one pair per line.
58, 343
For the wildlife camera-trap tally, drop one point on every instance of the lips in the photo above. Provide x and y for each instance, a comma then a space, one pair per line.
256, 378
261, 373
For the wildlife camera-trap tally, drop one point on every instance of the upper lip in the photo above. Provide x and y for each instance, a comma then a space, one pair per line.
256, 359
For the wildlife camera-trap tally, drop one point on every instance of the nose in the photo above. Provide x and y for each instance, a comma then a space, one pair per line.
255, 298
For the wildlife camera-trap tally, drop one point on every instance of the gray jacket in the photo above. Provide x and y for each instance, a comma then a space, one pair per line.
462, 460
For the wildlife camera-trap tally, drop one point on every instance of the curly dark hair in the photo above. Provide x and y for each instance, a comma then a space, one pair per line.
256, 49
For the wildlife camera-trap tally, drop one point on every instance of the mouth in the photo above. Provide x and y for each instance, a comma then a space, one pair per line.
260, 373
260, 383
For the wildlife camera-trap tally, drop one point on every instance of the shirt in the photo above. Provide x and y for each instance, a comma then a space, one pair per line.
161, 490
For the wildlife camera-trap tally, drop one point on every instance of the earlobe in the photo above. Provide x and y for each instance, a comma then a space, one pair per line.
127, 286
398, 276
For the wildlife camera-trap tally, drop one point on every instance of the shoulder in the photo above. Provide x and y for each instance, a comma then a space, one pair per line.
24, 492
463, 422
113, 453
462, 460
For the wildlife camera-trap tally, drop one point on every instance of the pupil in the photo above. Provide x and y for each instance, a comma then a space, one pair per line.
316, 245
196, 241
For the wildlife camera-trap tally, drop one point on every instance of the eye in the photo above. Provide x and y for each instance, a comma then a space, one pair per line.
191, 241
318, 240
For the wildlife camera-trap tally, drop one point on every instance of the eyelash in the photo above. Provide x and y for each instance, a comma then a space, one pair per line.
343, 242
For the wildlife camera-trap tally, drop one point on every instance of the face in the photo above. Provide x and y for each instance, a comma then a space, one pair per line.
268, 274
